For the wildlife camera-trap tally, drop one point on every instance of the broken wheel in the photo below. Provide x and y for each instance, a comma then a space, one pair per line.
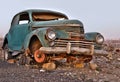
39, 56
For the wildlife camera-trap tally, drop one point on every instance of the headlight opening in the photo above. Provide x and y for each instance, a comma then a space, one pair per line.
51, 35
99, 39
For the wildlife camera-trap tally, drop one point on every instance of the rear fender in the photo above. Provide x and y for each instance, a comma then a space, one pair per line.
91, 36
5, 41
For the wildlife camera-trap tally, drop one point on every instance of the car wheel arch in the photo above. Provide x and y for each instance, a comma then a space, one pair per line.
40, 36
34, 44
4, 43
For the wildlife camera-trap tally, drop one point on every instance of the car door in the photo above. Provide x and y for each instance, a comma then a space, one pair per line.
19, 29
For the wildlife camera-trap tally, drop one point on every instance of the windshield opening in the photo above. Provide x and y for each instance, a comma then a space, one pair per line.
47, 16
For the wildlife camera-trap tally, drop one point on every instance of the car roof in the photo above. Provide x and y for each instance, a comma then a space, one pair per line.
43, 11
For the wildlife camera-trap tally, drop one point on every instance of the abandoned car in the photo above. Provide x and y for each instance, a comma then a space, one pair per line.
45, 36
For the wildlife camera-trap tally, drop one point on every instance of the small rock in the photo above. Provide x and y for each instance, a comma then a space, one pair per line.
118, 59
49, 66
42, 70
110, 56
93, 66
32, 76
96, 72
79, 65
98, 69
11, 61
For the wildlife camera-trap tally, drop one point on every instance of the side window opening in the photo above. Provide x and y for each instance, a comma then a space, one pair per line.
24, 19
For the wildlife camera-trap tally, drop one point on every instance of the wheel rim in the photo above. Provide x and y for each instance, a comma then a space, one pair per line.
39, 56
5, 55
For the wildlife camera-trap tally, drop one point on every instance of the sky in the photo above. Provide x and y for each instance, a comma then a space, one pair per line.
101, 16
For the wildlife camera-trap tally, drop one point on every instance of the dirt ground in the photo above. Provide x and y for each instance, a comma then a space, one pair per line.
107, 71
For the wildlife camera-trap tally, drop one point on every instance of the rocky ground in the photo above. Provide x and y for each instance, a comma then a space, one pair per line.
107, 71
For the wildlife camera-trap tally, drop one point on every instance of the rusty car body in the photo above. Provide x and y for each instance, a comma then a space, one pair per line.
45, 36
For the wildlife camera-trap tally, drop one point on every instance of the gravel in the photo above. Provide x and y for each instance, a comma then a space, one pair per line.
107, 71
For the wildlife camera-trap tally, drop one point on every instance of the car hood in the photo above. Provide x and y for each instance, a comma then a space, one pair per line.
57, 23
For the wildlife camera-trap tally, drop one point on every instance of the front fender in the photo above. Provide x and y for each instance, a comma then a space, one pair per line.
91, 36
40, 34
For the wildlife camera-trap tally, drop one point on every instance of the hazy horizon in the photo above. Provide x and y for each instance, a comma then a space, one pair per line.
97, 16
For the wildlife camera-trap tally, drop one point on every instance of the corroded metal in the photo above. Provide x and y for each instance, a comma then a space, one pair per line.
39, 56
72, 50
46, 35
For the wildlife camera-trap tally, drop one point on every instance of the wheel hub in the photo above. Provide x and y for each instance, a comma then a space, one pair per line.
39, 56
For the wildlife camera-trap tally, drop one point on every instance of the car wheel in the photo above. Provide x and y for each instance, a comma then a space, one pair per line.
39, 56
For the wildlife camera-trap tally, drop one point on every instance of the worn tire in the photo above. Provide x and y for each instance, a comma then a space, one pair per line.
7, 54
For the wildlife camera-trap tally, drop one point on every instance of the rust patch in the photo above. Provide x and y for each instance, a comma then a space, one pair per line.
79, 59
39, 56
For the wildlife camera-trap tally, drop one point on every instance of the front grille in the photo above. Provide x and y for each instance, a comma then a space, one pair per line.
80, 44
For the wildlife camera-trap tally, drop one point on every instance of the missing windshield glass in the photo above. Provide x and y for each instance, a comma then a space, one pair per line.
47, 16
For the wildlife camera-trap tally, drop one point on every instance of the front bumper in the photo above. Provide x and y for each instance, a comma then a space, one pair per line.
68, 50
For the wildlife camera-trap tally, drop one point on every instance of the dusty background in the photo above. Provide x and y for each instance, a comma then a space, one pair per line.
108, 71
